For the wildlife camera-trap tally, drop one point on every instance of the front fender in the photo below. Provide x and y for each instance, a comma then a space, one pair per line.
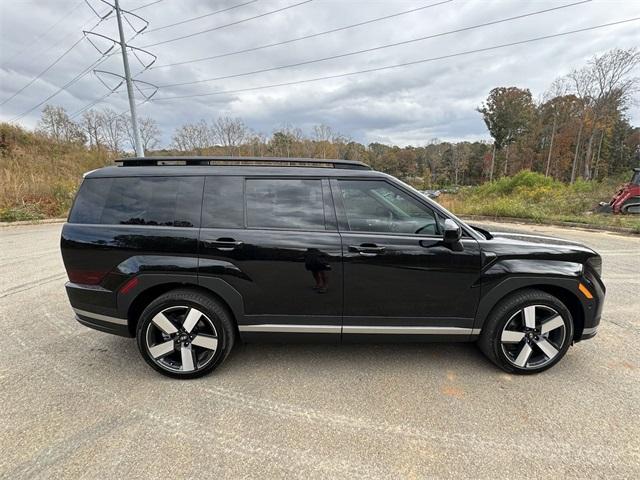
507, 276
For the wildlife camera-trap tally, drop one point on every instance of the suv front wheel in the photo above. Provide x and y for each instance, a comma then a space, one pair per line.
185, 334
527, 332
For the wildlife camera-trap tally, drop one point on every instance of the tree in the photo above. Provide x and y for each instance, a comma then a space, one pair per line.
112, 129
322, 134
606, 88
91, 125
149, 132
56, 124
507, 113
193, 137
229, 132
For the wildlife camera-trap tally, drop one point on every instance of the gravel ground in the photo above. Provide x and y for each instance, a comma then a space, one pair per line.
77, 403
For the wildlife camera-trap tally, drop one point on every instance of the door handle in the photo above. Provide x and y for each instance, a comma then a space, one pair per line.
367, 249
225, 244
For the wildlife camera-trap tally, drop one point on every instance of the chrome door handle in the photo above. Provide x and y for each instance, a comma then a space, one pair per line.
367, 250
225, 244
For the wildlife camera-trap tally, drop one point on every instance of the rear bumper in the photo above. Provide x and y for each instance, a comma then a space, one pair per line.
92, 306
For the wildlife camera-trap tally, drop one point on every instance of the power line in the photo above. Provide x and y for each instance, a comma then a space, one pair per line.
50, 66
31, 82
145, 5
91, 104
202, 16
398, 65
30, 44
271, 12
305, 37
64, 87
372, 49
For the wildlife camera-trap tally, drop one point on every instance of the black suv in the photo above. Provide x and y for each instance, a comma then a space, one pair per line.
191, 254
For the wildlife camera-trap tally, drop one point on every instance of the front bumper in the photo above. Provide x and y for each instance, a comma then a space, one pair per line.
592, 307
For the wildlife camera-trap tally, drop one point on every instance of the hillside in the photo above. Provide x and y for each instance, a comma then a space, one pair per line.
39, 176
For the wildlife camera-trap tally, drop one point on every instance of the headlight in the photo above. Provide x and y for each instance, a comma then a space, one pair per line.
596, 264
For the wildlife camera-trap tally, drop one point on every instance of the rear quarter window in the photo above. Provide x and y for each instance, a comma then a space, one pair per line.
163, 201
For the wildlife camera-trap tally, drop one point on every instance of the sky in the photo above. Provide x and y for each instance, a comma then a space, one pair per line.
409, 105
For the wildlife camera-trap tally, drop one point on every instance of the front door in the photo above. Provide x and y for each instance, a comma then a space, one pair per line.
400, 279
277, 245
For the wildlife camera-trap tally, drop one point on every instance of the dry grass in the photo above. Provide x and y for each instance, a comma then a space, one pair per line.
39, 177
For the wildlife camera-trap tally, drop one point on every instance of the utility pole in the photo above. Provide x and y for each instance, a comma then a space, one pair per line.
127, 75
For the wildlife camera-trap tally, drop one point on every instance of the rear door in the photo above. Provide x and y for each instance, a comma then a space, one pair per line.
400, 278
275, 241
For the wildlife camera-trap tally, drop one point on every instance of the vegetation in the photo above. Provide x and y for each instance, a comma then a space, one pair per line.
530, 195
577, 138
39, 175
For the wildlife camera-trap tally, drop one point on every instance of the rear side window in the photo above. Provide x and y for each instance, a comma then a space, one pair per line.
223, 206
295, 204
165, 201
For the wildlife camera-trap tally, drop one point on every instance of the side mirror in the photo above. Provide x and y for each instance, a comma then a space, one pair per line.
452, 232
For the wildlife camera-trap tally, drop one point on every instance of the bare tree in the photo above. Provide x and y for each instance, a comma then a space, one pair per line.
323, 134
91, 125
193, 137
56, 124
149, 132
229, 132
605, 87
257, 144
112, 129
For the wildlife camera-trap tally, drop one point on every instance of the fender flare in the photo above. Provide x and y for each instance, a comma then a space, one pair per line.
217, 286
511, 284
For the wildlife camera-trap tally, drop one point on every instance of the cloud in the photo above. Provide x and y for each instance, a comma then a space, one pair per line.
409, 105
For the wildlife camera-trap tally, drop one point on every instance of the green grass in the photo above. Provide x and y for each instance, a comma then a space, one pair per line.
532, 196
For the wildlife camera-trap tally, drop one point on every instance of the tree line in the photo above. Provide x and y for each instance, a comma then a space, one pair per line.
578, 129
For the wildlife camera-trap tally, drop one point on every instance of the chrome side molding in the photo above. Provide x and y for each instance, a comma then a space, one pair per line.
104, 318
358, 329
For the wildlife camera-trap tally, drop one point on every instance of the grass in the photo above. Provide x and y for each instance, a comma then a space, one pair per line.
532, 196
39, 177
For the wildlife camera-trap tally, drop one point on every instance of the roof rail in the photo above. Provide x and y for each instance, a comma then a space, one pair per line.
245, 161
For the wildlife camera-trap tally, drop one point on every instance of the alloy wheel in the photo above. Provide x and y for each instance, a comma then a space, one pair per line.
181, 339
533, 336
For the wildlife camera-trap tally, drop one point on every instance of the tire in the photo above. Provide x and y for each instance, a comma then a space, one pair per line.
511, 341
185, 334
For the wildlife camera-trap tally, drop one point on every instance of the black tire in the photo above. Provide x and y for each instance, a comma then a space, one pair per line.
208, 341
500, 332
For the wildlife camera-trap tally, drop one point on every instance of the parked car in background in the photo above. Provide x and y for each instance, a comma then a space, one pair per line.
192, 257
431, 193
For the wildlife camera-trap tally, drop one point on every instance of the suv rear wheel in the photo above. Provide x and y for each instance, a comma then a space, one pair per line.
528, 332
185, 334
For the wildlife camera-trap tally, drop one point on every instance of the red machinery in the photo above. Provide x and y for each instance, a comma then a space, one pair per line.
627, 199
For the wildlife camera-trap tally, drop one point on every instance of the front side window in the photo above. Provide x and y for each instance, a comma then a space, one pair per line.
377, 206
295, 204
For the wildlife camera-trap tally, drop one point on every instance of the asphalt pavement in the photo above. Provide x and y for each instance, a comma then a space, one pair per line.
77, 403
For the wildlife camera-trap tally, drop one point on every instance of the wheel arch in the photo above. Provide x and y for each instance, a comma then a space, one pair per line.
150, 289
564, 290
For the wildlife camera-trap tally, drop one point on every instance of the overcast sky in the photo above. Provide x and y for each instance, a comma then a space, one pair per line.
407, 105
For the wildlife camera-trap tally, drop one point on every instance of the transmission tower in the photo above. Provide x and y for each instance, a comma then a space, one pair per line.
124, 49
